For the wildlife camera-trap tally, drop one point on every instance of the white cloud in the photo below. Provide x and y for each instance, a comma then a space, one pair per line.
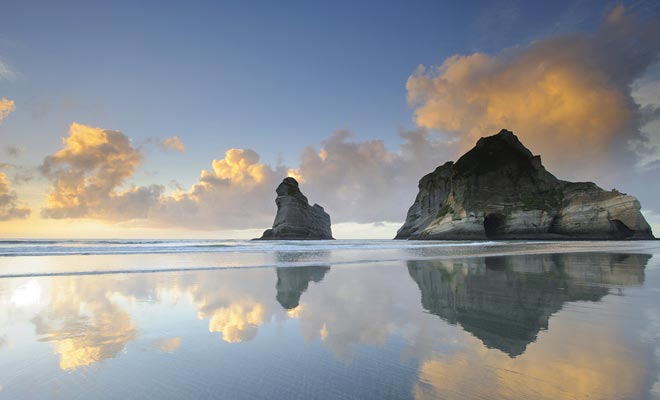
6, 72
363, 181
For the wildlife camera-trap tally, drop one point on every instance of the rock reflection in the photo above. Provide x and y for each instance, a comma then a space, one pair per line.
292, 282
289, 257
496, 338
505, 301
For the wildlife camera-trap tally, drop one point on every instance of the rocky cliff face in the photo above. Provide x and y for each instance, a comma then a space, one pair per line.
296, 219
500, 190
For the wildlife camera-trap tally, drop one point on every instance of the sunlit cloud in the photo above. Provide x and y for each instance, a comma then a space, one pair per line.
173, 143
567, 97
10, 208
237, 192
88, 174
6, 107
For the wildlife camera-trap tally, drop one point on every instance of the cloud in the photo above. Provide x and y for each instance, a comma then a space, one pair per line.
356, 181
9, 206
6, 72
19, 174
548, 370
84, 322
646, 93
14, 150
567, 97
167, 345
6, 108
365, 182
88, 174
237, 193
237, 322
173, 143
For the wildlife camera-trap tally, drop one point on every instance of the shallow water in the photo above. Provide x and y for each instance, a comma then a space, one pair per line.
344, 319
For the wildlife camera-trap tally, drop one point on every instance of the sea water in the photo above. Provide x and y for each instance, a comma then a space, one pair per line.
347, 319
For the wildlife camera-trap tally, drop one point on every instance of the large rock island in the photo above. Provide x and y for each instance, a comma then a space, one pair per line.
500, 190
296, 219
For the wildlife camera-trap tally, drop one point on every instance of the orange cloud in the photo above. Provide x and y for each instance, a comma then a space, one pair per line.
567, 97
9, 206
88, 172
89, 176
238, 192
174, 143
6, 108
239, 165
91, 170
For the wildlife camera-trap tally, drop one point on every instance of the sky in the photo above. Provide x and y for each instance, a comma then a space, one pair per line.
179, 119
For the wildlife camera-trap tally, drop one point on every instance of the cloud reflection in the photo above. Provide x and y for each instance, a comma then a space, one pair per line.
512, 327
84, 323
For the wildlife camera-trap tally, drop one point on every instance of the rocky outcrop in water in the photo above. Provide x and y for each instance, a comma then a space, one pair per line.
296, 219
500, 190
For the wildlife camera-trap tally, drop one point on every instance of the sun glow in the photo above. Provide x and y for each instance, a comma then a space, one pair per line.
27, 294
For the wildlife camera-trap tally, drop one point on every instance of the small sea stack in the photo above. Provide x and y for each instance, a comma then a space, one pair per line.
296, 219
499, 190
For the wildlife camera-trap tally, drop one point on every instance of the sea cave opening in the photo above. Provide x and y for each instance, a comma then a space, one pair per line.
494, 226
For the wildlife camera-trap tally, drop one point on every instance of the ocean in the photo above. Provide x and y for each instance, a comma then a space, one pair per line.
344, 319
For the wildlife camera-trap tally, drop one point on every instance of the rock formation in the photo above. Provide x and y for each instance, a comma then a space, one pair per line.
500, 190
296, 219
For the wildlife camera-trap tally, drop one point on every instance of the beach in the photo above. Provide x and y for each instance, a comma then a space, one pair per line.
340, 319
